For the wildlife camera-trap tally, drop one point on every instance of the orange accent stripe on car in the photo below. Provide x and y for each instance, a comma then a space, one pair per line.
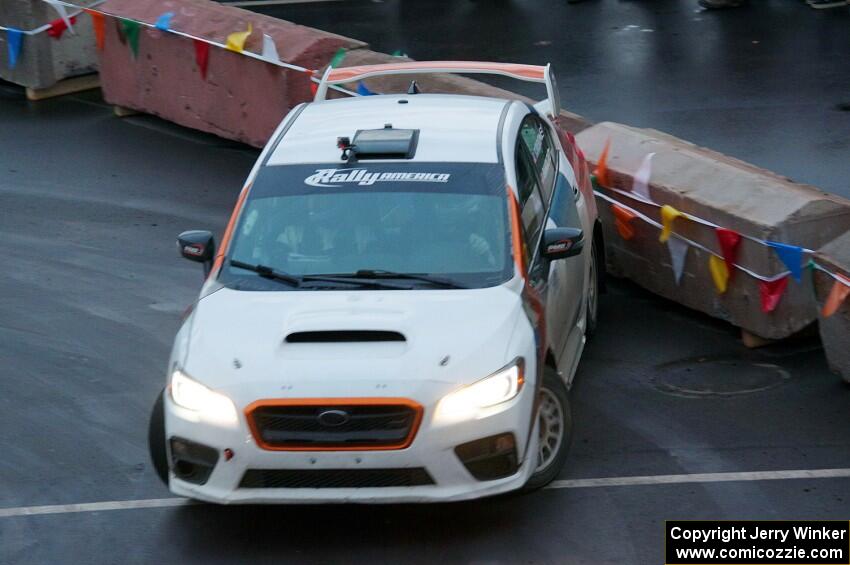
519, 249
331, 402
228, 232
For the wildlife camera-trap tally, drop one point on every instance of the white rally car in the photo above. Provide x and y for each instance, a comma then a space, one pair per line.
397, 307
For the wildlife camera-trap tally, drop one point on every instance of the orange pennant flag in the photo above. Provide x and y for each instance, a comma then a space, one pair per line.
719, 273
601, 171
623, 221
836, 296
668, 214
97, 25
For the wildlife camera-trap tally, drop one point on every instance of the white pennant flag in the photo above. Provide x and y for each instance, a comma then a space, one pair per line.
640, 184
678, 252
269, 49
62, 14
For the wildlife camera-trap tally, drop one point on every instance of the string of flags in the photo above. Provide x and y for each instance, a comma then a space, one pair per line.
722, 265
129, 33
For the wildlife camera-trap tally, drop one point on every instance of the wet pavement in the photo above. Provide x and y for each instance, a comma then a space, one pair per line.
92, 290
764, 83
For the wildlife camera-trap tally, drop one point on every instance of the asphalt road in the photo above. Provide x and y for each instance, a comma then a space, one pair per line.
90, 296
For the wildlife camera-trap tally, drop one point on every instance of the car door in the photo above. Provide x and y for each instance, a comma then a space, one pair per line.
565, 278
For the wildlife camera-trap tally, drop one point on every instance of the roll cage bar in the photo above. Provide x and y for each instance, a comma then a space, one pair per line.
528, 73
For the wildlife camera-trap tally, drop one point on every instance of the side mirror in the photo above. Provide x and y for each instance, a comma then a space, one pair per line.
198, 246
560, 243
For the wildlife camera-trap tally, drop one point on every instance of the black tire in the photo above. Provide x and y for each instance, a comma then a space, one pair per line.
592, 306
156, 439
554, 386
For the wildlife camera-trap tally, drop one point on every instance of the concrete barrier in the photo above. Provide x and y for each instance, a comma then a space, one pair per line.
835, 329
44, 61
730, 193
242, 98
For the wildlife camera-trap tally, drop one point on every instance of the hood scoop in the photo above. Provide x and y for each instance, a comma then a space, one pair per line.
345, 336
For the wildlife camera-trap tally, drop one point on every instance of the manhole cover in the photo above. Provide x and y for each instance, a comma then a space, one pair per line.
704, 377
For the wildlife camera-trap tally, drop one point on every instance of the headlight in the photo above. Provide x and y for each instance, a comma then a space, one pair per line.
192, 395
499, 387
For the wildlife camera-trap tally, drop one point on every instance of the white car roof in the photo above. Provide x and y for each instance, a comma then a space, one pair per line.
452, 128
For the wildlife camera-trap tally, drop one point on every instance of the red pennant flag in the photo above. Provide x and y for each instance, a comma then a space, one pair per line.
202, 56
729, 241
58, 27
771, 292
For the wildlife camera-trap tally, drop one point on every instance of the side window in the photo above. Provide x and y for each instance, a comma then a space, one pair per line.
531, 203
536, 138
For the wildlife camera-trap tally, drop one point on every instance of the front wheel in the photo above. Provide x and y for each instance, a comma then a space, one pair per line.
555, 423
156, 439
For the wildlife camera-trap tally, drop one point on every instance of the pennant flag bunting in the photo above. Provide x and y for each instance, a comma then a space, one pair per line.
729, 241
601, 171
837, 294
14, 38
58, 27
63, 15
791, 256
623, 221
97, 25
236, 40
163, 22
336, 60
719, 273
270, 49
668, 214
131, 33
640, 183
122, 37
363, 90
202, 56
678, 253
771, 292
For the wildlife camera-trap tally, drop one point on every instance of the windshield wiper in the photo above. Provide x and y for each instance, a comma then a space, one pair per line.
268, 273
353, 278
382, 274
298, 282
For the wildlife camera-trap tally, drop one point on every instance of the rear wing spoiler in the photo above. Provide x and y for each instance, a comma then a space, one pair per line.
528, 73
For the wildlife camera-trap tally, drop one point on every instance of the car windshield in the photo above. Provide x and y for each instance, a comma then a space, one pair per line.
445, 221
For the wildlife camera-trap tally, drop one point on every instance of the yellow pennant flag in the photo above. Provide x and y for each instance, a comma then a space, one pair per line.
236, 40
668, 214
719, 273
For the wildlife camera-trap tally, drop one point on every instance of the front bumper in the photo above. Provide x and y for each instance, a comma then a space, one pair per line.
433, 449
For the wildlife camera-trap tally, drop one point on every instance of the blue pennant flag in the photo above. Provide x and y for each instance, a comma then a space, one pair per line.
791, 255
363, 91
164, 21
14, 38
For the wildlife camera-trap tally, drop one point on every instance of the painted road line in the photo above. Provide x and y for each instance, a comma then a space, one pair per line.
565, 484
701, 478
94, 507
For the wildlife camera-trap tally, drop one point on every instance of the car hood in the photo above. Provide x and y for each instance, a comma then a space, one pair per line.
238, 342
